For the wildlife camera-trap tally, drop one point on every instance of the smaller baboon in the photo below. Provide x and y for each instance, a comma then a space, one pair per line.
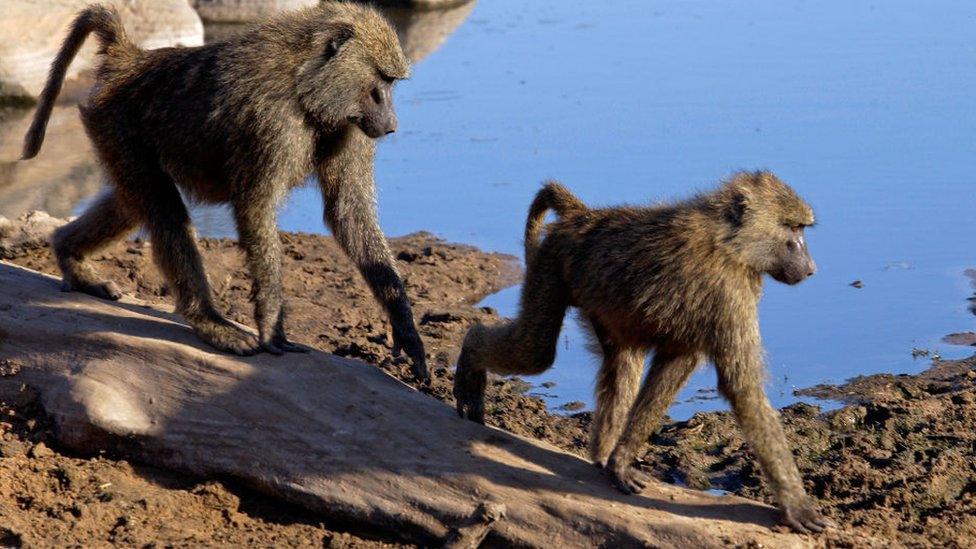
237, 122
682, 280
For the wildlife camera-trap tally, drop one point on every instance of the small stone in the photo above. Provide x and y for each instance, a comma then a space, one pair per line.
803, 409
407, 256
12, 448
40, 450
518, 385
9, 367
964, 397
10, 538
6, 227
848, 418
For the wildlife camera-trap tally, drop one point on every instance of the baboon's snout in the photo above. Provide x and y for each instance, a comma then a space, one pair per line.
795, 270
811, 267
379, 118
804, 269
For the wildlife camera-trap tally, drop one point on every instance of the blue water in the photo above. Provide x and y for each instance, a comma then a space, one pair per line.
867, 109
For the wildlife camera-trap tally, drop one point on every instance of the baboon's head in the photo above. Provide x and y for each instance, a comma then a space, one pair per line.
348, 76
768, 220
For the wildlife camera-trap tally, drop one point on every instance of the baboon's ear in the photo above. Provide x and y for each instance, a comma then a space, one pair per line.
736, 209
336, 37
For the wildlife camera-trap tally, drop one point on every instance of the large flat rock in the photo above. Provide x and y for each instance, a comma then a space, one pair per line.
31, 32
241, 11
334, 435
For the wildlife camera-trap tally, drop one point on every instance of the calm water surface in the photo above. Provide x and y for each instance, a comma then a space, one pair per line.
865, 108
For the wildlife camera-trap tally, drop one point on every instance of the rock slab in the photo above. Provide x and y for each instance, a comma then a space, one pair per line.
334, 435
31, 32
241, 11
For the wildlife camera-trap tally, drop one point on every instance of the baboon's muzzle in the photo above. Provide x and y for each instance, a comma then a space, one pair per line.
379, 117
796, 271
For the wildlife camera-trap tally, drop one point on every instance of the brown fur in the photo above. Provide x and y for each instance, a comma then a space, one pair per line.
238, 122
682, 280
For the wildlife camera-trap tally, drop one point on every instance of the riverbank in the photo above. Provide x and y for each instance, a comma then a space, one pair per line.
897, 462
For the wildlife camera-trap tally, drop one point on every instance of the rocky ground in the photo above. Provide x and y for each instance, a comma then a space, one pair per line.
898, 462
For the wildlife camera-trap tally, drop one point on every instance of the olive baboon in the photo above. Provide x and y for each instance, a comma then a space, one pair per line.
680, 279
238, 122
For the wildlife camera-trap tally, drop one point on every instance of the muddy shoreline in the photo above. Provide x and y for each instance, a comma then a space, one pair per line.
897, 462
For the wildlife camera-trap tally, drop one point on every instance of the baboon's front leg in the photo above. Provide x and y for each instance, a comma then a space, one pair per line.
616, 389
254, 213
152, 193
740, 381
346, 176
669, 371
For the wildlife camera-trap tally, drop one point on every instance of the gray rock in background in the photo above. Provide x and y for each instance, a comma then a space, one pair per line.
64, 173
30, 231
240, 11
31, 32
423, 31
421, 4
244, 11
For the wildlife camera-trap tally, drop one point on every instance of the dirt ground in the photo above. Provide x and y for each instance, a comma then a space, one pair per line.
897, 462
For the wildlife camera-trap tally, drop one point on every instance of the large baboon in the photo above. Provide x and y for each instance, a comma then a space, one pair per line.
682, 280
238, 122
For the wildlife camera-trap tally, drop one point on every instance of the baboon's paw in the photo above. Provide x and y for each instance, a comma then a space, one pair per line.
628, 478
600, 462
600, 447
224, 336
805, 518
280, 346
469, 391
420, 371
408, 341
470, 405
103, 290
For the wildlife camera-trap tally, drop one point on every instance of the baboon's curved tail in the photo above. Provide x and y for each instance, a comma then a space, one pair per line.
105, 22
552, 196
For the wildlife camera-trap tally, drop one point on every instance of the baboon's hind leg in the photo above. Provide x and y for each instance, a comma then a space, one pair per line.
102, 223
154, 196
525, 345
616, 389
469, 387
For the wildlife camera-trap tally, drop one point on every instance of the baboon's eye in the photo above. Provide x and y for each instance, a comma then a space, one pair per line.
335, 43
